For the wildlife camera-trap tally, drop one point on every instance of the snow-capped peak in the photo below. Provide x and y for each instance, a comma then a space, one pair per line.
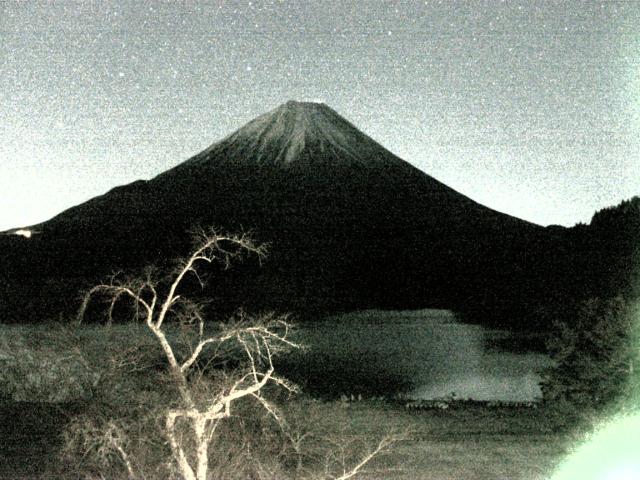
291, 131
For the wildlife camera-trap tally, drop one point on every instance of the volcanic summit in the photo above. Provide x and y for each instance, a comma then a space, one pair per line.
291, 132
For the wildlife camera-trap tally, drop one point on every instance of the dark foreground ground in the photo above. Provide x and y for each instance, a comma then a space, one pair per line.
470, 442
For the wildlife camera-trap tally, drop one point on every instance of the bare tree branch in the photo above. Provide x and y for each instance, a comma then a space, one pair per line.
196, 353
384, 444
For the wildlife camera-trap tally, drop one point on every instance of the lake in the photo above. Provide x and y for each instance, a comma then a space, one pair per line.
421, 355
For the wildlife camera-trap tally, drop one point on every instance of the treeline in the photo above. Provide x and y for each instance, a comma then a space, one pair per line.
593, 316
599, 260
551, 276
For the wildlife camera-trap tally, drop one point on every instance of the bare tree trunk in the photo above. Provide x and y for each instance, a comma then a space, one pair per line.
202, 451
178, 453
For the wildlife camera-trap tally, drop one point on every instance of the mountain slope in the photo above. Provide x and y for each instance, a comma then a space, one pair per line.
350, 224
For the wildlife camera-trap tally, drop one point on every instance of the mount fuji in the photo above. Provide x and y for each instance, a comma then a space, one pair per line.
350, 225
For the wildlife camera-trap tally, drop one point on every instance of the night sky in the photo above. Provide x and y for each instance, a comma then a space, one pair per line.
531, 108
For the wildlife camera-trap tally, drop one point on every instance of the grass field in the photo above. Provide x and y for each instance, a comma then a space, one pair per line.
470, 442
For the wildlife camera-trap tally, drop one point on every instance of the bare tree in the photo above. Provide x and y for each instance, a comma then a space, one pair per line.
199, 411
259, 338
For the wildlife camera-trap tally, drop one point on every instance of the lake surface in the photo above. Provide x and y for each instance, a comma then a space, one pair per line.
425, 354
